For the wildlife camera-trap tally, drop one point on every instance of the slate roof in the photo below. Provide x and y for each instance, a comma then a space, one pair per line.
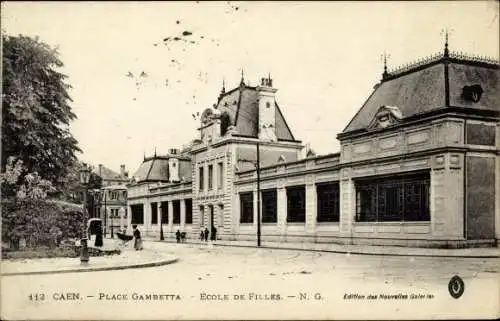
423, 88
152, 169
156, 169
242, 106
107, 174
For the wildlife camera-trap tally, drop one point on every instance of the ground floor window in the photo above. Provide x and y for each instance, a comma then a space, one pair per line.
269, 206
164, 212
296, 204
189, 211
176, 208
137, 214
328, 205
202, 215
392, 199
246, 207
154, 213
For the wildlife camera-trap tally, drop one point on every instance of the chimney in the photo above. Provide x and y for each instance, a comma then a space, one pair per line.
122, 171
267, 109
173, 151
100, 170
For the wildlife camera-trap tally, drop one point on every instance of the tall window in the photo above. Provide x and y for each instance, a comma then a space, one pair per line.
402, 198
202, 215
137, 213
210, 177
164, 212
246, 207
296, 204
220, 175
201, 178
328, 207
154, 213
269, 206
176, 207
189, 211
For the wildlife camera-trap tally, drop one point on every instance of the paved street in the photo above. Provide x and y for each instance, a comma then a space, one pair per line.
325, 280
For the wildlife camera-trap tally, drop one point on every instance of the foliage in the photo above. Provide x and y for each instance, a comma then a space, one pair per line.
35, 108
31, 185
42, 252
71, 188
40, 222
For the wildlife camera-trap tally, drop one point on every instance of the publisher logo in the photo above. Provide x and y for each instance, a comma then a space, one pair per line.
456, 287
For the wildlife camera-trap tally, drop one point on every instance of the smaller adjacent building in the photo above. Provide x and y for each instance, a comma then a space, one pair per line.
110, 202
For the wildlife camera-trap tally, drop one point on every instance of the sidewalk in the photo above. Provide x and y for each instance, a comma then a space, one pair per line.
492, 252
128, 259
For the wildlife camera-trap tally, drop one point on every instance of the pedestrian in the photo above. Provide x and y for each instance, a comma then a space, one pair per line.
206, 234
202, 235
178, 236
138, 240
214, 234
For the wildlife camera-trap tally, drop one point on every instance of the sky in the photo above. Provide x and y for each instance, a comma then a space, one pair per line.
135, 86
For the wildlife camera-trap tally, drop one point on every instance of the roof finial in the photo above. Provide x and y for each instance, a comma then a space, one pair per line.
155, 151
144, 157
385, 55
223, 85
446, 33
242, 81
446, 52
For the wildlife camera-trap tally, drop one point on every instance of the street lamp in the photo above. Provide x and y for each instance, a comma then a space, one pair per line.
162, 237
84, 180
256, 163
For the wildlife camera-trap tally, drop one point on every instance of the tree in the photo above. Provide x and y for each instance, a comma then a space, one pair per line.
30, 185
71, 188
35, 109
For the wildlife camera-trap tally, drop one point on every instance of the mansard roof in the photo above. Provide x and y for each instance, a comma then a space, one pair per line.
241, 104
107, 174
152, 169
439, 82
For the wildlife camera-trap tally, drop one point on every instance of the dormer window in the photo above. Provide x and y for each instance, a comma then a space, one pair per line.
472, 93
386, 116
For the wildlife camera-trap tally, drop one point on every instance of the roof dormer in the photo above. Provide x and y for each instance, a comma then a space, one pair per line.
386, 116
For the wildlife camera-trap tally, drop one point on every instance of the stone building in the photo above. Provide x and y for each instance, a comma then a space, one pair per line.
418, 166
111, 200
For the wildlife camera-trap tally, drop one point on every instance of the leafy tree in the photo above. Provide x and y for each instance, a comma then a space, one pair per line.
71, 187
35, 108
30, 185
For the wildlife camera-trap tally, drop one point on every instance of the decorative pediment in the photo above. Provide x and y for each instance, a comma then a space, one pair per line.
386, 116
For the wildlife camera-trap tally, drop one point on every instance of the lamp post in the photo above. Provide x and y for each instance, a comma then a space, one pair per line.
162, 237
258, 193
84, 180
256, 163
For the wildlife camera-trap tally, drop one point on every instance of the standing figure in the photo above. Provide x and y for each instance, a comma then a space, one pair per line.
214, 234
202, 235
178, 236
206, 234
137, 237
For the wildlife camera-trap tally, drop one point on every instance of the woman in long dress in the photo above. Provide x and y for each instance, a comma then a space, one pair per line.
137, 239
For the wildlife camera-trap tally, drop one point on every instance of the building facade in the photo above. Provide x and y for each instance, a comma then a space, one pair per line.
418, 166
111, 200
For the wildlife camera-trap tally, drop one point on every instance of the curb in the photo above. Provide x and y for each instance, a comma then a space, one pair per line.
107, 268
487, 256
